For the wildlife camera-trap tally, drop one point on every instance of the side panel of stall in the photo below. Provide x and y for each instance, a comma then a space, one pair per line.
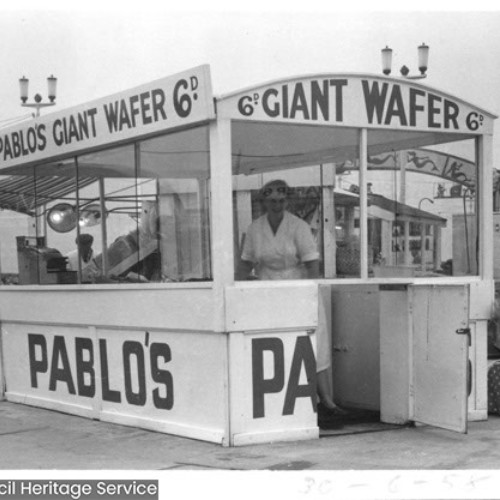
272, 365
481, 295
134, 365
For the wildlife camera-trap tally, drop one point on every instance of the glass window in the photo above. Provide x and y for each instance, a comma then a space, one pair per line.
18, 226
56, 222
346, 216
422, 208
421, 200
174, 186
37, 199
109, 211
322, 190
134, 213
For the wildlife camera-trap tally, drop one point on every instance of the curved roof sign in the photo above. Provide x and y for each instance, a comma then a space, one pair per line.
351, 100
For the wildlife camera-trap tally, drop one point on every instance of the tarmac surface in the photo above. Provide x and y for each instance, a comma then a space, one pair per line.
37, 439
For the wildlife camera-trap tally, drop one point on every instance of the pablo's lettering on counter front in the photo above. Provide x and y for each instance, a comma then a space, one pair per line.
141, 374
136, 386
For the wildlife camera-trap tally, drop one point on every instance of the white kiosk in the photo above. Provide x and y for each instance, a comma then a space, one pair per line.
155, 332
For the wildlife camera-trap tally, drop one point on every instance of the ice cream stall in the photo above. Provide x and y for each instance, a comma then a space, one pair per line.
153, 327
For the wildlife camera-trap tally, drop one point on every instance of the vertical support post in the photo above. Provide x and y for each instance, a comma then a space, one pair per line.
222, 250
204, 196
329, 220
244, 211
104, 234
41, 225
407, 253
388, 255
437, 246
40, 233
423, 227
484, 152
77, 195
221, 201
401, 163
363, 201
236, 347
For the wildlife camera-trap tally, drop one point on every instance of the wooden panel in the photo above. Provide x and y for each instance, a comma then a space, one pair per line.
440, 355
188, 306
394, 355
148, 379
355, 334
272, 305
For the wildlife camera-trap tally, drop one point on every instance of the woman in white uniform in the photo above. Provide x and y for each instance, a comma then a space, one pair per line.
279, 245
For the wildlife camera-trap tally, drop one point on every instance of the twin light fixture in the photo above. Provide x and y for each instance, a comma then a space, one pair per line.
52, 86
63, 217
423, 58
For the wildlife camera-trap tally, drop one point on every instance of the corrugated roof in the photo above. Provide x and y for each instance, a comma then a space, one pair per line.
24, 193
403, 211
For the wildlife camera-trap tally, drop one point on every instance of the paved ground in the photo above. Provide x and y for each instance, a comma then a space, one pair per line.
33, 438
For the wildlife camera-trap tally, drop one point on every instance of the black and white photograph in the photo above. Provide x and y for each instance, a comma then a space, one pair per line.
249, 251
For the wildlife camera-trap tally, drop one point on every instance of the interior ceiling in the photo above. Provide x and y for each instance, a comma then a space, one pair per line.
22, 194
259, 147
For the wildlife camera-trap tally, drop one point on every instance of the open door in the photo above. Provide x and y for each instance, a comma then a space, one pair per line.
439, 346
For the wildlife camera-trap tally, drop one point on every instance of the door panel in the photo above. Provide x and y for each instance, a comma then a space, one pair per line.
440, 355
356, 346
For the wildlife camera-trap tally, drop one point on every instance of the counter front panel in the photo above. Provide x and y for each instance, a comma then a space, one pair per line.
160, 380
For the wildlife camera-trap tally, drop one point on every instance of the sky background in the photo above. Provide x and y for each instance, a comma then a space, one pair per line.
100, 50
